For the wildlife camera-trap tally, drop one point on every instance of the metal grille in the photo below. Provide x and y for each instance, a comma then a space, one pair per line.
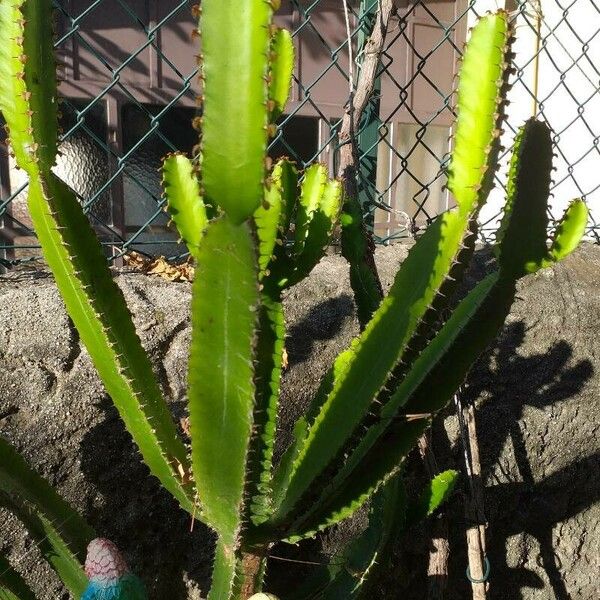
129, 84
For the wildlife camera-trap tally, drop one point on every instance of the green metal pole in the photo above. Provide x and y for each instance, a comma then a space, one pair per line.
368, 133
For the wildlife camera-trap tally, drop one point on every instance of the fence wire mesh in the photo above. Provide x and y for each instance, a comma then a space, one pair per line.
129, 83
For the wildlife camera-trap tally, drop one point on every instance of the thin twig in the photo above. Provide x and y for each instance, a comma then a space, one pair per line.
474, 510
360, 93
300, 562
439, 554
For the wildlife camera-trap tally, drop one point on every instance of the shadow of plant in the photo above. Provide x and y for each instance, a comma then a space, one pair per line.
509, 383
321, 323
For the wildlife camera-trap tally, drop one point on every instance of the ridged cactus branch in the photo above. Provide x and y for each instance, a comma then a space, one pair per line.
481, 89
318, 231
282, 69
184, 201
28, 91
236, 42
272, 218
227, 570
522, 235
480, 105
221, 373
436, 492
318, 208
358, 249
313, 188
269, 361
569, 232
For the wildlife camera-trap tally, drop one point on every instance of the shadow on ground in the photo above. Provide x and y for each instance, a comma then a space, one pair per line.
138, 515
528, 499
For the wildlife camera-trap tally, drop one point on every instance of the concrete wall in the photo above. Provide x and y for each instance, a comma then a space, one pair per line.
536, 390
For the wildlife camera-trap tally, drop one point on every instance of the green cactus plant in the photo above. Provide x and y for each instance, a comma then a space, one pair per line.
60, 533
253, 232
12, 585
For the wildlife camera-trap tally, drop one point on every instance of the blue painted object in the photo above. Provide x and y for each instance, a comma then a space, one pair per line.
129, 587
110, 578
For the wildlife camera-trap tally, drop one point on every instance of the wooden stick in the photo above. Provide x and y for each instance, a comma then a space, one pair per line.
359, 98
437, 569
474, 511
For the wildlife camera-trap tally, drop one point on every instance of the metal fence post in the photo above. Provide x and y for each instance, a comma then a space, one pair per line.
368, 133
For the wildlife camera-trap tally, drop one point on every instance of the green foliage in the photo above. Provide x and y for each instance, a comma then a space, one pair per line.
483, 76
522, 233
60, 533
272, 218
383, 343
184, 202
221, 393
568, 234
28, 91
308, 229
357, 249
282, 69
433, 496
267, 376
235, 66
12, 585
252, 234
226, 573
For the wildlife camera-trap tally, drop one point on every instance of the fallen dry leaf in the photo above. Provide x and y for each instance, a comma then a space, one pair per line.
160, 267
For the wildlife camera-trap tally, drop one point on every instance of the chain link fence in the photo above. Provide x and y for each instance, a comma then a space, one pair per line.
129, 82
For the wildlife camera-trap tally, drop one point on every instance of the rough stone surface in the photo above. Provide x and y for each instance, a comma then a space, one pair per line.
537, 395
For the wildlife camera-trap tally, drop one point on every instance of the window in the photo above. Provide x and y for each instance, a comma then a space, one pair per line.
82, 163
142, 188
409, 176
298, 139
